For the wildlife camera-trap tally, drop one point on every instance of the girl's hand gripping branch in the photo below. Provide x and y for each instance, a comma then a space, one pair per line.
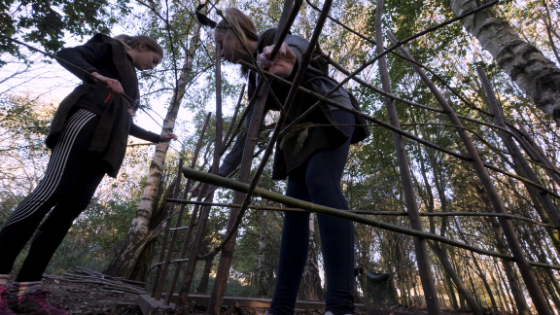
167, 137
112, 84
282, 65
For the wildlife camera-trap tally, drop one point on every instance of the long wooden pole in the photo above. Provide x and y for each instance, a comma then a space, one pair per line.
176, 191
371, 212
421, 250
514, 150
175, 234
222, 273
311, 207
205, 212
535, 151
525, 269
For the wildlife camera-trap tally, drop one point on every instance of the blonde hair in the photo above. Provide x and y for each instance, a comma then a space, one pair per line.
132, 42
236, 20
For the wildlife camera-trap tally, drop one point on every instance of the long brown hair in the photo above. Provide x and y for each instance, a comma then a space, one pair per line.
132, 42
239, 22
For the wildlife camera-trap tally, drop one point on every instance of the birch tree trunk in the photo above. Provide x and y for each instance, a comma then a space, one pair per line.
139, 233
312, 289
531, 71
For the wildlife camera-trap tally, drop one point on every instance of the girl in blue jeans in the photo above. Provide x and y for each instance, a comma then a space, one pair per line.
314, 170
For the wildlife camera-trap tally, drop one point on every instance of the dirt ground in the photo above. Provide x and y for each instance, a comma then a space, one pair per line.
89, 299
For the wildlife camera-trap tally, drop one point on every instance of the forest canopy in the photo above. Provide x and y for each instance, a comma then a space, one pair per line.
515, 43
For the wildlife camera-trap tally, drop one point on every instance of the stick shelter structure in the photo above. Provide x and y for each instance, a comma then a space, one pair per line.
246, 187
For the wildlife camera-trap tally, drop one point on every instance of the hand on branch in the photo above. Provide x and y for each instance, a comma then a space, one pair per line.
282, 65
167, 137
112, 84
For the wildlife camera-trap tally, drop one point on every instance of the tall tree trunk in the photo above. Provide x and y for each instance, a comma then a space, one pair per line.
533, 73
140, 233
451, 290
513, 280
546, 275
499, 293
144, 260
510, 300
312, 290
440, 249
441, 253
203, 285
485, 282
263, 280
364, 284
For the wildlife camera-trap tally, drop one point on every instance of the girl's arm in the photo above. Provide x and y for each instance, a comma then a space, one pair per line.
283, 64
84, 57
144, 134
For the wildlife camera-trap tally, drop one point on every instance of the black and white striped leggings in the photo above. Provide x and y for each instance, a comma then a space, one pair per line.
69, 183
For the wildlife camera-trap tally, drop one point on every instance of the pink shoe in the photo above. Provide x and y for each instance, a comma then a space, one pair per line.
4, 309
36, 303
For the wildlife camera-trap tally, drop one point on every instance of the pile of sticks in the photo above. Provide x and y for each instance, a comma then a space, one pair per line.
103, 282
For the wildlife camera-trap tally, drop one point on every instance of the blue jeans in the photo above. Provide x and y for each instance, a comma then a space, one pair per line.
318, 181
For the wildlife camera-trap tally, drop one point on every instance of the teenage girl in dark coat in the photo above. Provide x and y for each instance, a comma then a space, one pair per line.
314, 169
88, 138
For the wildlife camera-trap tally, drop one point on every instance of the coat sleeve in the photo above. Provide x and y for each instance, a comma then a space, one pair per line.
144, 134
93, 52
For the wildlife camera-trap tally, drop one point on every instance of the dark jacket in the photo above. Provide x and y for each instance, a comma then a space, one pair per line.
108, 57
295, 149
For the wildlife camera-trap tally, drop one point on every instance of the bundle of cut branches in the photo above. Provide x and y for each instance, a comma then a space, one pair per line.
104, 282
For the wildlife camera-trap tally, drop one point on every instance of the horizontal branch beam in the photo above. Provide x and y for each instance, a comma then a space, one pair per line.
370, 212
263, 193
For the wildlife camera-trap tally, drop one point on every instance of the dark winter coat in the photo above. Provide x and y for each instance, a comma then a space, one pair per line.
108, 57
296, 148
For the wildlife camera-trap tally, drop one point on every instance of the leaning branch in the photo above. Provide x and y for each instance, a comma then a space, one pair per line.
263, 193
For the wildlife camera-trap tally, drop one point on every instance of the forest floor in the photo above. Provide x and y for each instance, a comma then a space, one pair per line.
89, 299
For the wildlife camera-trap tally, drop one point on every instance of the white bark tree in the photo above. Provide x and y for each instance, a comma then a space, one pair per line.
533, 72
139, 234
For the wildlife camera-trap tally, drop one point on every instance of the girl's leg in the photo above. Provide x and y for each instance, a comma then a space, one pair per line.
323, 176
293, 252
53, 230
66, 164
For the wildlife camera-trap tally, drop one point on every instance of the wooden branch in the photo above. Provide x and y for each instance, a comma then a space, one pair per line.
370, 212
263, 193
402, 132
495, 199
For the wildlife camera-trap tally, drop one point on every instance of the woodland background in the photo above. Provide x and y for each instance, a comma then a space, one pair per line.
182, 89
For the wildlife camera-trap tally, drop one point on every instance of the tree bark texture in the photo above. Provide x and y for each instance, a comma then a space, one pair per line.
532, 72
312, 290
513, 280
482, 276
203, 285
263, 280
139, 232
441, 253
